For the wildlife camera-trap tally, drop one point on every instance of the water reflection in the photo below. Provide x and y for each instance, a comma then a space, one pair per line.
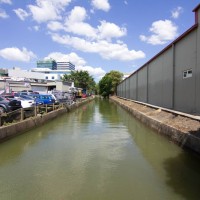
96, 152
178, 168
183, 175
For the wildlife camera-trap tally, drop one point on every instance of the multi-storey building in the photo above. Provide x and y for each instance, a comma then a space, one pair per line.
65, 66
50, 64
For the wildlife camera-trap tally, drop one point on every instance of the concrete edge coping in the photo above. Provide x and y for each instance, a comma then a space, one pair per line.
164, 109
183, 139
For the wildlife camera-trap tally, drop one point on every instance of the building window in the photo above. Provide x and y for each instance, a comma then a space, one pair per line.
52, 77
46, 77
187, 73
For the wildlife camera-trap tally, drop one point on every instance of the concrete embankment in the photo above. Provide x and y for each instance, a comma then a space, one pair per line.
181, 128
14, 129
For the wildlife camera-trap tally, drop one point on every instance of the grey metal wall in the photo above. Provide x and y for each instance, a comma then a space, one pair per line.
197, 103
185, 58
161, 81
133, 86
142, 85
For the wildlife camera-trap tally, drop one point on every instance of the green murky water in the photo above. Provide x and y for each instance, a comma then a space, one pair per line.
97, 152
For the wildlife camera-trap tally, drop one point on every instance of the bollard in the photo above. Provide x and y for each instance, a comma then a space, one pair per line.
35, 111
22, 114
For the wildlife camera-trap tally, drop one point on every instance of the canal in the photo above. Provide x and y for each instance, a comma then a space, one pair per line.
97, 152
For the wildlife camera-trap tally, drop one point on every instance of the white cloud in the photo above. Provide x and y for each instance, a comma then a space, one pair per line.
3, 14
74, 23
163, 31
22, 14
104, 48
176, 12
77, 14
125, 2
55, 26
101, 5
6, 1
16, 54
72, 57
36, 28
46, 10
109, 30
96, 72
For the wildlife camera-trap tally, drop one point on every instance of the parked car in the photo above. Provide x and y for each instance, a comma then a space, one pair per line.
84, 95
18, 94
26, 101
44, 98
8, 105
36, 99
8, 96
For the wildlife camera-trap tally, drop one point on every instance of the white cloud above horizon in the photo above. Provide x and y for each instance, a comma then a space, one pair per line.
3, 14
22, 14
101, 5
162, 32
175, 13
71, 57
46, 10
104, 48
15, 54
6, 1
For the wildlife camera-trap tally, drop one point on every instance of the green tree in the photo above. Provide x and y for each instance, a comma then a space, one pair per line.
116, 78
105, 86
108, 84
81, 79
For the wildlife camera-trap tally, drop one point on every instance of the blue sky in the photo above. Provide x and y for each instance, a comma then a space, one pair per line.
95, 35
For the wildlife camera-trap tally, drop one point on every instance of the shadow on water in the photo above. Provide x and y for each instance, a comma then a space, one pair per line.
183, 175
178, 168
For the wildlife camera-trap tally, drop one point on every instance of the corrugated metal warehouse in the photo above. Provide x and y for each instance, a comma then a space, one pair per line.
171, 79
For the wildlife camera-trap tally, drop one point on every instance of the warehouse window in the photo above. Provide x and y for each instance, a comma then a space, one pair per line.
187, 73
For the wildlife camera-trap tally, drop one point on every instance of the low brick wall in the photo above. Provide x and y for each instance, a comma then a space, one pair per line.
7, 132
166, 124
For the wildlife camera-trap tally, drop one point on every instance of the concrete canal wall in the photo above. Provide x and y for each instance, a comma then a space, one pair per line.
181, 128
14, 129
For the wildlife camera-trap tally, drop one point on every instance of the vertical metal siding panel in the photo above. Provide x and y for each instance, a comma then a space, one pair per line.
155, 82
142, 85
133, 87
160, 79
128, 88
185, 52
125, 82
124, 89
121, 90
197, 98
167, 78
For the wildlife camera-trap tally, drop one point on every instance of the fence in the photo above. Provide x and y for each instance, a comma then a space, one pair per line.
24, 113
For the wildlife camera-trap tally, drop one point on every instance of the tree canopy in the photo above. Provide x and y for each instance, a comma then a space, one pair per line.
81, 79
105, 86
108, 84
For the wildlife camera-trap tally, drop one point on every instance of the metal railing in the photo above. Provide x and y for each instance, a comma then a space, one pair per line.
24, 113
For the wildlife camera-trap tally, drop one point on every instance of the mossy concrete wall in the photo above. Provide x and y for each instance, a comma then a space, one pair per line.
7, 132
183, 131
